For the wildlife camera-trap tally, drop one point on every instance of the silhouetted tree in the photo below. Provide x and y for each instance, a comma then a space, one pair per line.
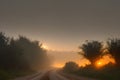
70, 67
21, 54
3, 49
17, 60
3, 40
92, 50
33, 53
114, 49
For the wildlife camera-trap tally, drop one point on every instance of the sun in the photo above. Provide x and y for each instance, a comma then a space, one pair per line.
106, 59
99, 64
45, 47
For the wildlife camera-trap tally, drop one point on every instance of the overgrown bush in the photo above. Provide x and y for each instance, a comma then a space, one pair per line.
70, 67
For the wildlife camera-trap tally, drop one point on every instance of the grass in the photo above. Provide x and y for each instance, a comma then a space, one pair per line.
103, 74
11, 74
107, 73
4, 75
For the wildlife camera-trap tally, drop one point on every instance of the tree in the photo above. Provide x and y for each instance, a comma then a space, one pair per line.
70, 67
3, 49
21, 54
16, 57
34, 55
114, 49
3, 40
92, 50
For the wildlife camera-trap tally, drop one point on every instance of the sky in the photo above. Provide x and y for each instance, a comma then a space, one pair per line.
63, 57
61, 24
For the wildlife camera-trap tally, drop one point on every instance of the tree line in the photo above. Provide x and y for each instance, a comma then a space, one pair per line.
93, 50
21, 54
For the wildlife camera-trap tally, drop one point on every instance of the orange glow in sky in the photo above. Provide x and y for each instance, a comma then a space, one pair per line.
58, 65
61, 58
106, 59
81, 63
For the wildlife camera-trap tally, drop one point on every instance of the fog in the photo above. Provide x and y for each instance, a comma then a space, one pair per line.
59, 58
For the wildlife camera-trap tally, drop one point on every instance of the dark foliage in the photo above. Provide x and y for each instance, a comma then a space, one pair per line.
21, 54
70, 67
114, 49
92, 50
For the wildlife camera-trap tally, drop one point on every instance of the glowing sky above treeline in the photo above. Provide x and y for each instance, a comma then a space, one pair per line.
60, 58
61, 24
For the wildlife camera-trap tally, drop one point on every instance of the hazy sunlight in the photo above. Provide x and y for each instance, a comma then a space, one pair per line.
106, 59
58, 65
45, 47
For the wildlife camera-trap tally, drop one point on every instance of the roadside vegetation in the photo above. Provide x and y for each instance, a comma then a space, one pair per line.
99, 68
20, 57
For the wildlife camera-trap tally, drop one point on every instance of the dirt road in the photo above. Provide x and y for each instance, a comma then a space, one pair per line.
52, 75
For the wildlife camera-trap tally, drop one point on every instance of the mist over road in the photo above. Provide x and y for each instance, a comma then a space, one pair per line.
52, 75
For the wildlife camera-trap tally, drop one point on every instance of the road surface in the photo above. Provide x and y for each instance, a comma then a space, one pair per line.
52, 75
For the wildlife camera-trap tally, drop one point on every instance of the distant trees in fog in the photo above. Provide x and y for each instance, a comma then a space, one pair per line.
71, 67
21, 54
24, 54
